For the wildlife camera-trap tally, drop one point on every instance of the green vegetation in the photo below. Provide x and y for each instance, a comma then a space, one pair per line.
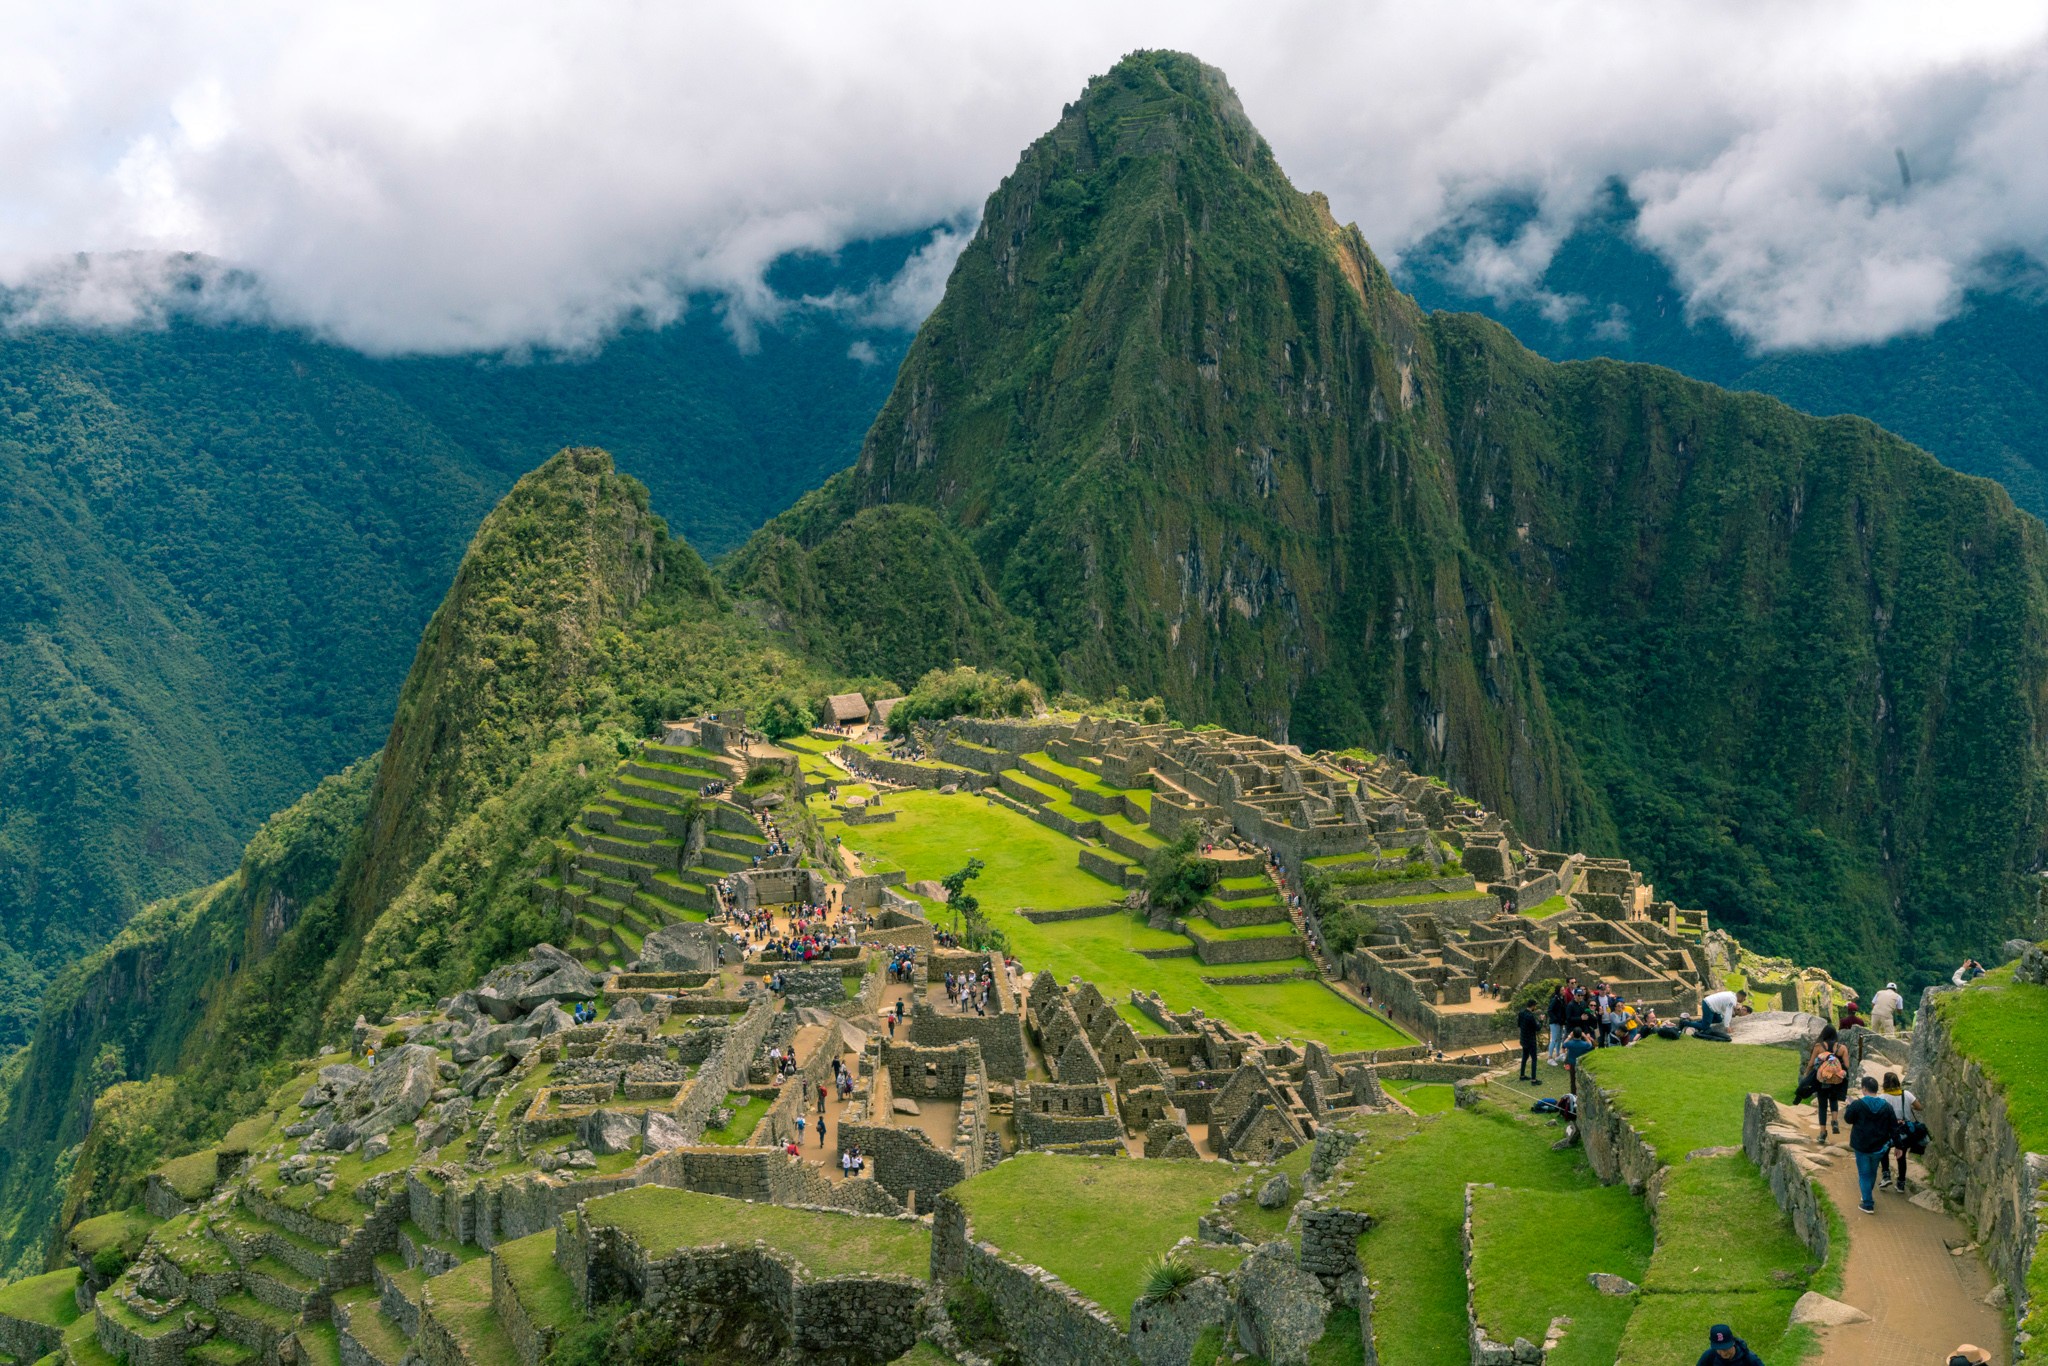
1051, 1211
48, 1298
662, 1219
544, 1291
1686, 1094
1531, 1253
746, 1114
1410, 1174
960, 691
1177, 877
1426, 1097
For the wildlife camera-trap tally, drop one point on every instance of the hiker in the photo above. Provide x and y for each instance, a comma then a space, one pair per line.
1849, 1017
1556, 1012
1725, 1349
1970, 970
1827, 1078
1873, 1124
1526, 1022
1912, 1136
1885, 1008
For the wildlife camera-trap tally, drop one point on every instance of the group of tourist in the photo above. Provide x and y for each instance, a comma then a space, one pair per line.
970, 989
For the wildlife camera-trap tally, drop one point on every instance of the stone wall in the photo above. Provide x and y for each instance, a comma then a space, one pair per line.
1049, 1323
1001, 1037
1614, 1148
1072, 913
1260, 950
925, 776
27, 1340
1974, 1159
1781, 1152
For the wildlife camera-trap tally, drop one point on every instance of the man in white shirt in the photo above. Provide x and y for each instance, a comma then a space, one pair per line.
1716, 1010
1885, 1007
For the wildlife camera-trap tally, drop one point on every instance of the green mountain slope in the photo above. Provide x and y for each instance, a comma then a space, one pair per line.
218, 546
1197, 439
1973, 391
575, 622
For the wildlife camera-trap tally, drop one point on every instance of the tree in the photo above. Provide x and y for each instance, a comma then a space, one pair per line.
1177, 878
786, 714
969, 923
958, 898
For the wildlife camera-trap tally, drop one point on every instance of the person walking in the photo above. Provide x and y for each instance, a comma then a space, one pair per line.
1912, 1133
1885, 1008
1526, 1024
1827, 1066
1873, 1124
1725, 1349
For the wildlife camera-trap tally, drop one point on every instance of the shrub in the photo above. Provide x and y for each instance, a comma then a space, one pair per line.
1345, 927
965, 691
1167, 1277
1177, 878
784, 715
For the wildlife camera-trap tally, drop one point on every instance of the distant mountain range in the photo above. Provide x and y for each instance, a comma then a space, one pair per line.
218, 546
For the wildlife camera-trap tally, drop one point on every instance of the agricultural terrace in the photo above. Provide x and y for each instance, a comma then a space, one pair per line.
1031, 865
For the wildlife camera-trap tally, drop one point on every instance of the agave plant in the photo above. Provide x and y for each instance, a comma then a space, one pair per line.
1168, 1276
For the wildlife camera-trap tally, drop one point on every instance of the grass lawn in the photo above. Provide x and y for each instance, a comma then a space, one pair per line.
1199, 929
124, 1229
1685, 1094
1673, 1328
460, 1301
544, 1291
43, 1299
322, 1345
1032, 865
1427, 1097
194, 1175
746, 1113
1095, 1222
1722, 1230
1410, 1175
1531, 1253
1548, 907
662, 1219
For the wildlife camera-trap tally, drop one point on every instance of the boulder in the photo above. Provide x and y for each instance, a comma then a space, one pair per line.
1281, 1309
572, 983
485, 1068
1273, 1194
375, 1146
550, 1019
1609, 1284
931, 889
392, 1093
1782, 1027
626, 1012
1164, 1331
663, 1132
608, 1131
690, 946
904, 1105
1816, 1308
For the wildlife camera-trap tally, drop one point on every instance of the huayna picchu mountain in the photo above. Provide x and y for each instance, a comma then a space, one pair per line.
1198, 445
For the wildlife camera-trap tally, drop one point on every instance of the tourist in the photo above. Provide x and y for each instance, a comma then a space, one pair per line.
1527, 1023
1576, 1046
1912, 1136
799, 1126
1725, 1349
1968, 972
1873, 1124
1557, 1013
1715, 1012
1969, 1354
1849, 1016
1827, 1077
1885, 1008
821, 1128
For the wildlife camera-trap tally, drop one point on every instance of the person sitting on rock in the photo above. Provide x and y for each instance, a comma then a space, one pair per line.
1725, 1349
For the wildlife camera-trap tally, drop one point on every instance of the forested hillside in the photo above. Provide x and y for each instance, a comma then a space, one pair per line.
1973, 391
574, 622
1195, 438
218, 546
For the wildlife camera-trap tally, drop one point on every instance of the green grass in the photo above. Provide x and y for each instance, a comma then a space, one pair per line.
1057, 1212
460, 1301
1531, 1253
43, 1299
2004, 1029
82, 1344
1687, 1094
544, 1291
125, 1229
923, 1354
1427, 1097
933, 835
369, 1326
1198, 929
1720, 1229
1668, 1329
322, 1344
663, 1219
746, 1113
1548, 907
1410, 1175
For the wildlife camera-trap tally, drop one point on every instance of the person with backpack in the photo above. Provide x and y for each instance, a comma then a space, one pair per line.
1526, 1025
1912, 1136
1873, 1124
1827, 1076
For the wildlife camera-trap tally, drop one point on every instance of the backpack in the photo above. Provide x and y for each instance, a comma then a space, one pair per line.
1829, 1071
1669, 1031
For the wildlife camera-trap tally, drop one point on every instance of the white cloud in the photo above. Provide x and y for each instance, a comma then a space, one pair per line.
403, 174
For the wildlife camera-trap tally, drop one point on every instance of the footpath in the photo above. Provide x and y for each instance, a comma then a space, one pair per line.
1923, 1298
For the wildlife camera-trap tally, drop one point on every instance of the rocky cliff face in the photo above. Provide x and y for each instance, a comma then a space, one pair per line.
1194, 437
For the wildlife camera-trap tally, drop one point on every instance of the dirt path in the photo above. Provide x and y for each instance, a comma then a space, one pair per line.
1922, 1300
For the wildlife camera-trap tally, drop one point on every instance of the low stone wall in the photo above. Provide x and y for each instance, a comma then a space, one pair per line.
1001, 1037
1050, 1323
1072, 913
1262, 979
1109, 869
530, 1340
1779, 1150
1614, 1148
1259, 950
865, 1317
904, 1161
1974, 1159
26, 1340
924, 776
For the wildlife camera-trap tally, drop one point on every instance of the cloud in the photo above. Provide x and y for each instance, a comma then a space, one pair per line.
451, 176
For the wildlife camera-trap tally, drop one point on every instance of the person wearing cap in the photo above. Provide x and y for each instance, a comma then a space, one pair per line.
1725, 1349
1969, 1354
1885, 1008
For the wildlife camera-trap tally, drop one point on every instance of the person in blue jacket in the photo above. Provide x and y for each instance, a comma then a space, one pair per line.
1725, 1349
